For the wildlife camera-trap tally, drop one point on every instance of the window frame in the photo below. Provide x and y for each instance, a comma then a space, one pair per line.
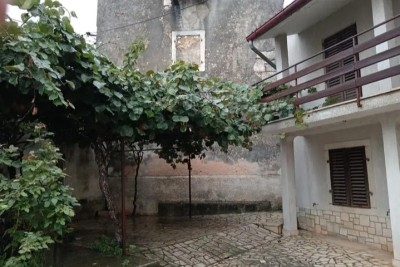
344, 156
370, 171
348, 94
201, 34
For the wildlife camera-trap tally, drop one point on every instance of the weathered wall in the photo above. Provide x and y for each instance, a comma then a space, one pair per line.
226, 24
240, 176
82, 176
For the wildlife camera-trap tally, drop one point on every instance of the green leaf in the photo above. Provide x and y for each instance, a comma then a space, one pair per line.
177, 118
268, 117
24, 4
70, 84
98, 84
67, 25
19, 67
126, 131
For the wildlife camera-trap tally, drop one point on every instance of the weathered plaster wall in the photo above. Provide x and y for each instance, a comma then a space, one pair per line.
226, 24
240, 176
82, 176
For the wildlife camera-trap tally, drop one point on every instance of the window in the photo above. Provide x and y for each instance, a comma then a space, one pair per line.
349, 178
189, 46
334, 45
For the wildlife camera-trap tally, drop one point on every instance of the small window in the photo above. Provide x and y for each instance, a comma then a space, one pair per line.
189, 46
349, 178
333, 45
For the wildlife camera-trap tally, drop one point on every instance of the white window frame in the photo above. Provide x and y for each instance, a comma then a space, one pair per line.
175, 34
371, 179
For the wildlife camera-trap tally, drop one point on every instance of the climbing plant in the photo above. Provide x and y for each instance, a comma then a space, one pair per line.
50, 74
36, 206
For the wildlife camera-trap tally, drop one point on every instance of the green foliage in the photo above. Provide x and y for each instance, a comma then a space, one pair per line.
107, 246
125, 263
36, 202
135, 50
54, 76
57, 78
50, 74
330, 100
186, 114
312, 90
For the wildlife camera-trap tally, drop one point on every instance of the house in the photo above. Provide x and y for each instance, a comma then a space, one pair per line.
341, 172
209, 33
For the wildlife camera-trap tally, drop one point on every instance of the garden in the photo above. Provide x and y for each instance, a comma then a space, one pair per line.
56, 89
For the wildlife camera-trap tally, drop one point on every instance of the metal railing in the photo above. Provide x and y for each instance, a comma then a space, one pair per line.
355, 67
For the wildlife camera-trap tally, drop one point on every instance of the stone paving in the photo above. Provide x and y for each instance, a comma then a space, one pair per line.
241, 240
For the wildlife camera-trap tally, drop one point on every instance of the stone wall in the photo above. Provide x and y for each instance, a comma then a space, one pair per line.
225, 24
365, 229
239, 176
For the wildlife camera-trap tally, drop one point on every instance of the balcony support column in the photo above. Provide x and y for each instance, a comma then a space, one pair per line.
392, 165
288, 179
281, 55
382, 10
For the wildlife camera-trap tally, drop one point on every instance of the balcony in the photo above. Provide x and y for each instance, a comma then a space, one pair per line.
374, 65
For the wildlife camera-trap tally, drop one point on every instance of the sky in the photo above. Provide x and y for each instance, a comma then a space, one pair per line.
86, 11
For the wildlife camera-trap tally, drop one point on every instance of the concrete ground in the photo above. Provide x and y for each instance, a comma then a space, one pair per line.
232, 240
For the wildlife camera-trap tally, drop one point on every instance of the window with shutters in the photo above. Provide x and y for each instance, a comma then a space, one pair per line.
334, 45
349, 178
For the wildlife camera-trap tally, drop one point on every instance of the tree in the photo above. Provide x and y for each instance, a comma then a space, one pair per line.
196, 113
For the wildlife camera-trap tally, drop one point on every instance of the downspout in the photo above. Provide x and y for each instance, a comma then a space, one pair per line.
261, 55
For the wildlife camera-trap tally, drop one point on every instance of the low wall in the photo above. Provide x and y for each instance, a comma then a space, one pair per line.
365, 229
205, 189
174, 209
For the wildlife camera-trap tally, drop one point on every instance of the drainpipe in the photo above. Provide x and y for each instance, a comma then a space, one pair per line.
261, 55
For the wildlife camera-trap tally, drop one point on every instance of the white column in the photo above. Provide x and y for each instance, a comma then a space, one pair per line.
382, 10
288, 187
281, 55
392, 164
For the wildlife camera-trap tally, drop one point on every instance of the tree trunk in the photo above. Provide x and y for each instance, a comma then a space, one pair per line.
102, 155
138, 157
190, 186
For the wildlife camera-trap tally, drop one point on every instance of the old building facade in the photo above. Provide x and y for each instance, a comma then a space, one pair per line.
211, 34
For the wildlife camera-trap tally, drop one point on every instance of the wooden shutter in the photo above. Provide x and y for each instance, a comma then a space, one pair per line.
357, 171
334, 45
338, 170
349, 178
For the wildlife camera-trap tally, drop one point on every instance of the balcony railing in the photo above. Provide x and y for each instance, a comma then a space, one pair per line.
297, 87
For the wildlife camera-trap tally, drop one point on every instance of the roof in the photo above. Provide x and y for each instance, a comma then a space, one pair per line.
298, 16
278, 18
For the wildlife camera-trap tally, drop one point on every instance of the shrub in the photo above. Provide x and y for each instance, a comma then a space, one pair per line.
36, 204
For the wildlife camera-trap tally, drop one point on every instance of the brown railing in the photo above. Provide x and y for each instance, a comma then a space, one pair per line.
355, 67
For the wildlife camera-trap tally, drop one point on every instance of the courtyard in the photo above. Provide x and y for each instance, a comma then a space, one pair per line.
220, 240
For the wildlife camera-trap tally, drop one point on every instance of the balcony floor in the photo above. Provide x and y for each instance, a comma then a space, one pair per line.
340, 116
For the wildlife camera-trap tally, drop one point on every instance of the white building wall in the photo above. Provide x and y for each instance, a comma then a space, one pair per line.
315, 211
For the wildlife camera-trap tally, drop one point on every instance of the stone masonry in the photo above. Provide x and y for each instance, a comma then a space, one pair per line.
365, 229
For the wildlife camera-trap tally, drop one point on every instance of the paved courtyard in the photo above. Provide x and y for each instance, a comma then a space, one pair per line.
238, 240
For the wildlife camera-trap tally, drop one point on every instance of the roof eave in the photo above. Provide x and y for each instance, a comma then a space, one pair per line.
278, 18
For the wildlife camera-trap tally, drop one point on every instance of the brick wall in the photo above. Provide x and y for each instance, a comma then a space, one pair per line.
365, 229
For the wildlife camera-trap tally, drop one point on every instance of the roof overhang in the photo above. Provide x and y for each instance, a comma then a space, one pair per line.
296, 17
